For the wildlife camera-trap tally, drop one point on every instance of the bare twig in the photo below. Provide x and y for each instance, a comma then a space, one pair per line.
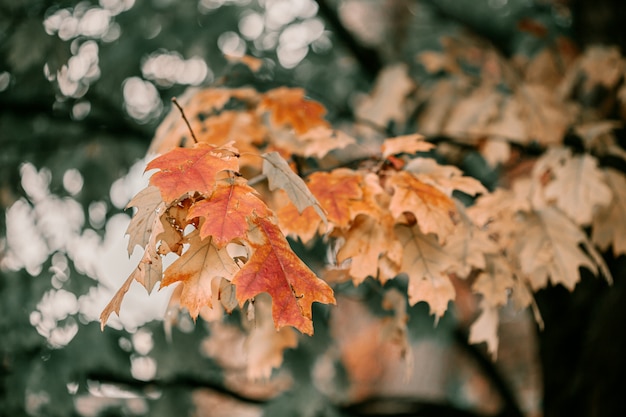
182, 112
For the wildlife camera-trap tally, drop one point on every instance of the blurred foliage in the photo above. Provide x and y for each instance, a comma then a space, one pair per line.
89, 125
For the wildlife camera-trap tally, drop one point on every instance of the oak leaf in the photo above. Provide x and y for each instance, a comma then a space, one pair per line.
244, 128
365, 242
405, 144
173, 132
226, 212
485, 329
148, 272
446, 178
578, 187
265, 345
188, 170
196, 268
609, 225
425, 262
320, 140
495, 281
274, 268
388, 100
149, 204
549, 249
469, 245
335, 191
433, 209
287, 106
280, 175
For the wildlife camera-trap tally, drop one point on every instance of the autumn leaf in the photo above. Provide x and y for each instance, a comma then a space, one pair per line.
287, 106
485, 329
115, 304
280, 175
335, 191
432, 208
265, 345
578, 187
495, 280
320, 140
445, 178
609, 225
196, 268
548, 249
365, 242
426, 262
274, 268
244, 128
190, 170
405, 144
149, 204
148, 272
469, 246
226, 212
388, 100
173, 132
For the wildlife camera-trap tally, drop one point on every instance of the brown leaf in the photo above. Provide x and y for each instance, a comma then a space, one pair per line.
149, 204
426, 262
549, 249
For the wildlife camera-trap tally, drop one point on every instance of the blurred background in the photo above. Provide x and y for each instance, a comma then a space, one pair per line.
83, 86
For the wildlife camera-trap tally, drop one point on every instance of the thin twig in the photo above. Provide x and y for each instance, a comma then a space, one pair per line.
182, 112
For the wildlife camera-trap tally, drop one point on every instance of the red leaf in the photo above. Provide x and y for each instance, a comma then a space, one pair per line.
227, 211
187, 170
274, 268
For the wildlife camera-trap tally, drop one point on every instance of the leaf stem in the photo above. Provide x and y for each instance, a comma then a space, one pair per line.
182, 112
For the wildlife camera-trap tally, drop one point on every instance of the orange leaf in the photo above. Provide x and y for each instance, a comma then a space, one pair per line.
303, 225
405, 144
365, 242
226, 212
289, 107
230, 125
190, 170
432, 208
173, 131
196, 268
274, 268
335, 191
